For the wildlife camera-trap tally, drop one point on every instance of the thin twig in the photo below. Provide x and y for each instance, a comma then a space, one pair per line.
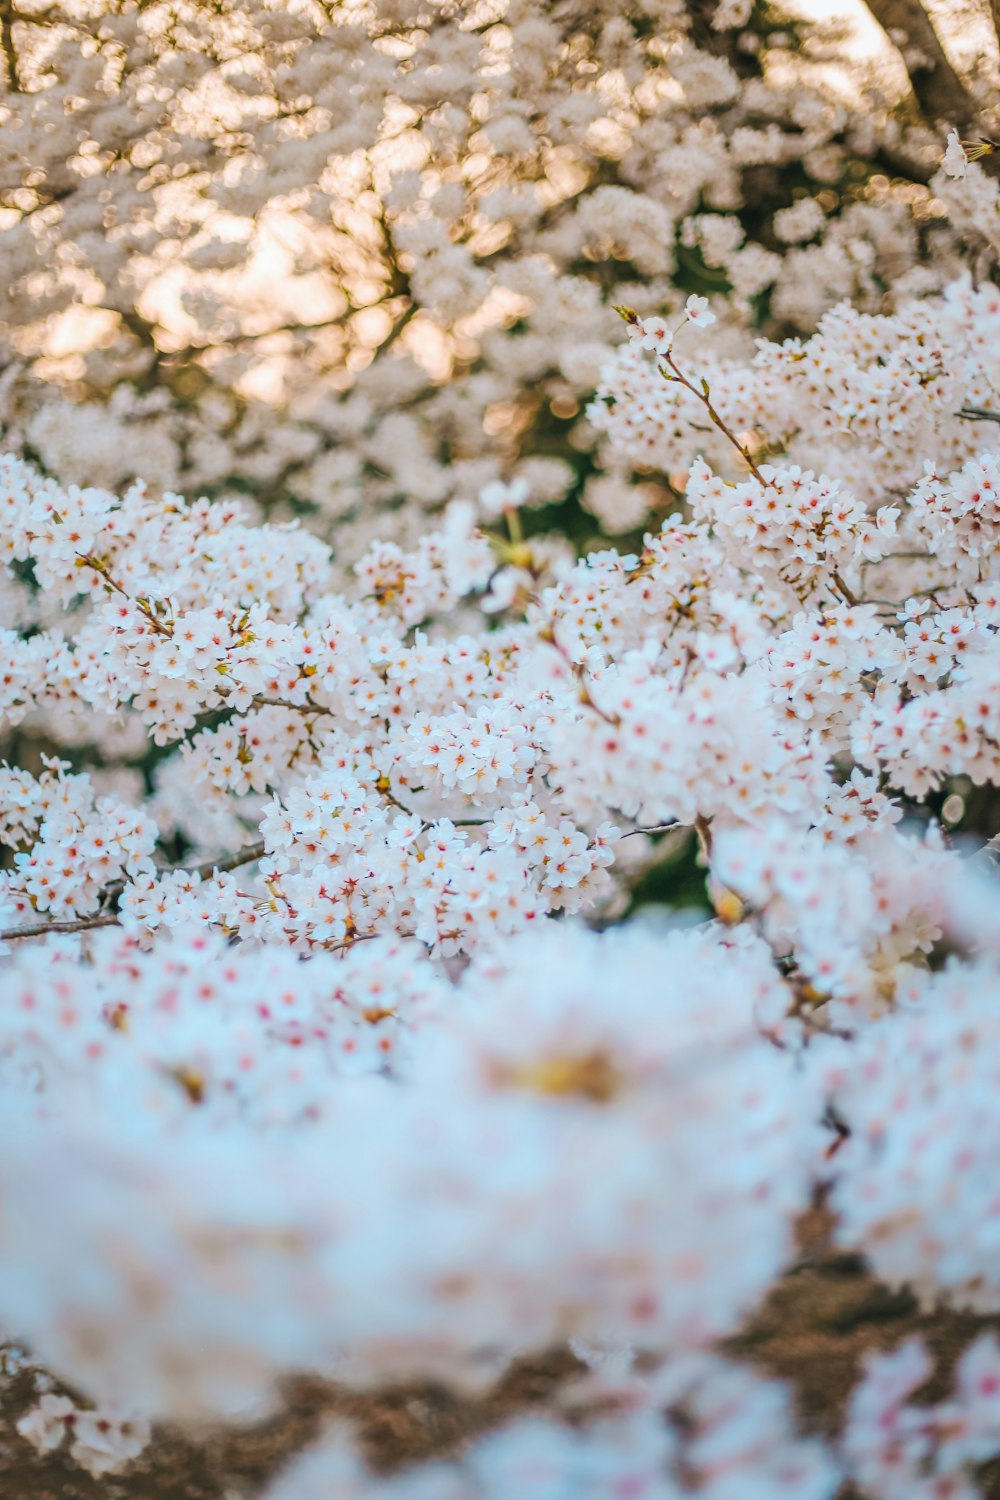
143, 605
703, 396
657, 828
978, 414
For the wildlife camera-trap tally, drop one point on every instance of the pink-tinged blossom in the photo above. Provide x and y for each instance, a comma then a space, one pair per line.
651, 333
697, 312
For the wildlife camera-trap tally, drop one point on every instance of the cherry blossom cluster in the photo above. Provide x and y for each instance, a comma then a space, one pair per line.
493, 1115
865, 399
897, 1450
315, 937
79, 843
238, 1031
350, 256
102, 1441
914, 1181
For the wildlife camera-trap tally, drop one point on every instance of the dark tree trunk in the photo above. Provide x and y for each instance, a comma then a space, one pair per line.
937, 88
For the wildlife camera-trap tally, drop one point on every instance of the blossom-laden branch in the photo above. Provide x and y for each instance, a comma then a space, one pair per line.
661, 341
702, 393
109, 916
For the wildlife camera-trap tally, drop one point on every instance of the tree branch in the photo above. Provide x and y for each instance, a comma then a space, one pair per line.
937, 88
719, 43
208, 867
79, 924
7, 45
656, 828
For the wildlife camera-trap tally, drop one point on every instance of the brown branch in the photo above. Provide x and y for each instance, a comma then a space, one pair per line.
229, 340
7, 45
111, 895
80, 924
724, 43
848, 595
208, 867
896, 161
306, 707
397, 328
937, 88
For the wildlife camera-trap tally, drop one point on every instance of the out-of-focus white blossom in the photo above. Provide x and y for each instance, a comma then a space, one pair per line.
955, 163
